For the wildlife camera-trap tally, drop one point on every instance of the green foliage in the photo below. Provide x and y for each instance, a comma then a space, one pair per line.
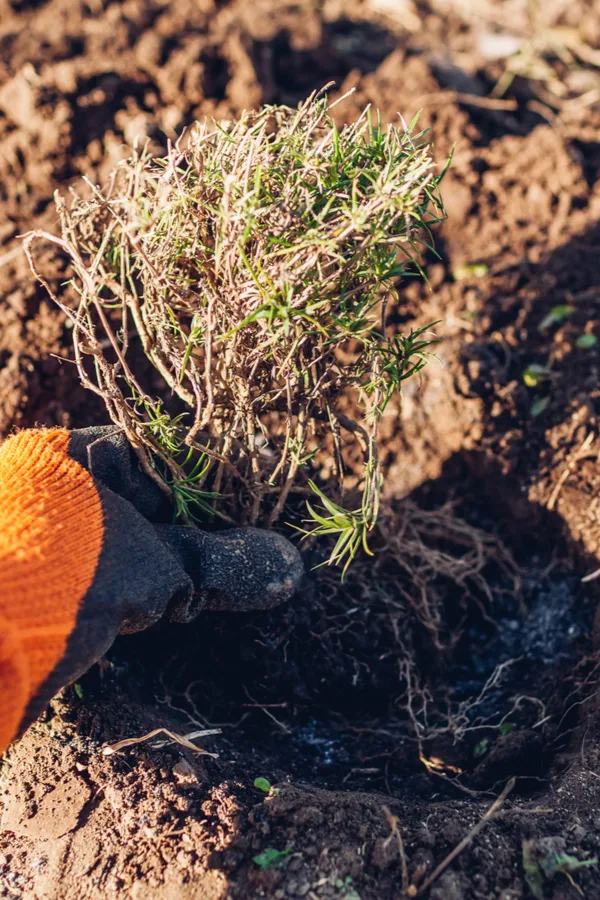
400, 357
586, 341
187, 495
270, 857
350, 529
346, 889
481, 748
556, 316
263, 784
535, 375
542, 861
256, 268
506, 727
468, 272
538, 406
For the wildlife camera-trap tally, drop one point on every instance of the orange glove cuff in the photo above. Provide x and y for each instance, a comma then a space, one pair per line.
50, 516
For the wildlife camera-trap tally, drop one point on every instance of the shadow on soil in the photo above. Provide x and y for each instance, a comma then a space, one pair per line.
316, 691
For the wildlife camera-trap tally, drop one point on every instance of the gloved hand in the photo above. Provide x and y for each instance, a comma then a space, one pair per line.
85, 555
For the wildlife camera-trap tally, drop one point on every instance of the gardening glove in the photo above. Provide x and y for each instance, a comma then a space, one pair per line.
85, 555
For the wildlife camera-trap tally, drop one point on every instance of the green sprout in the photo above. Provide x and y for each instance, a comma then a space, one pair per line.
466, 272
270, 857
481, 748
345, 888
538, 406
187, 492
506, 727
556, 316
586, 341
535, 374
350, 529
264, 785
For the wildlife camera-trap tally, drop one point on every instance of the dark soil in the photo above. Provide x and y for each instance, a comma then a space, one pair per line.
319, 696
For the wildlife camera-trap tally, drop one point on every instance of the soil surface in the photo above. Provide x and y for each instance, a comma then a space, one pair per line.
387, 712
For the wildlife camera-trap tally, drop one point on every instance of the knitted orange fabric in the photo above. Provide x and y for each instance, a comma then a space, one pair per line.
51, 531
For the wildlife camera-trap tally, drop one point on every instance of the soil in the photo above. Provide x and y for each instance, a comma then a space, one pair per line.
385, 732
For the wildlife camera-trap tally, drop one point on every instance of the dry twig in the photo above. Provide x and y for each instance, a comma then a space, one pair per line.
468, 839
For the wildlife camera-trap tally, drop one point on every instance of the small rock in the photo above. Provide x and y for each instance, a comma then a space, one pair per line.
448, 887
17, 100
184, 772
183, 859
425, 838
453, 832
309, 815
480, 883
384, 853
498, 45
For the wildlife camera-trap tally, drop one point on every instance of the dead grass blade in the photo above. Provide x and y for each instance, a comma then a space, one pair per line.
184, 740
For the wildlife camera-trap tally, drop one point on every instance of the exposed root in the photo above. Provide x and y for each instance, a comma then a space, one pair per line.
431, 571
422, 557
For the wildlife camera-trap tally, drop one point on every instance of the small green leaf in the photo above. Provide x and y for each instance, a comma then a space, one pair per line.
586, 341
535, 374
538, 406
78, 690
556, 315
476, 270
270, 857
564, 862
263, 784
482, 747
506, 727
345, 889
